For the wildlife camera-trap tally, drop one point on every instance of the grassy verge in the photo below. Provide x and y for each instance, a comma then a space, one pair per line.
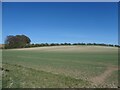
16, 76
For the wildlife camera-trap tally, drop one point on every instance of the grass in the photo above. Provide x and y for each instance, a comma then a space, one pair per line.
0, 70
73, 65
30, 76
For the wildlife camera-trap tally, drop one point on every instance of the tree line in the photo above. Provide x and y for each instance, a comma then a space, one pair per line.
23, 41
68, 44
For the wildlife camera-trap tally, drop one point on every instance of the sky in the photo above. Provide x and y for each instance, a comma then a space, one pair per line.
0, 22
50, 22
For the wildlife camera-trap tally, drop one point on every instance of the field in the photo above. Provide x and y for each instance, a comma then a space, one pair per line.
60, 67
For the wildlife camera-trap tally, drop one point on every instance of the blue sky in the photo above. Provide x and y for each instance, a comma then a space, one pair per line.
62, 22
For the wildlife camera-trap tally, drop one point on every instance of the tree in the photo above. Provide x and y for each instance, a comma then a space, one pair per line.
18, 41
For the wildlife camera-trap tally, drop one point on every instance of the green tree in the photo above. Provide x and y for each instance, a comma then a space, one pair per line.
18, 41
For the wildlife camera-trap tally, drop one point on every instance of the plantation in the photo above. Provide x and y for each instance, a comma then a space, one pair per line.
60, 66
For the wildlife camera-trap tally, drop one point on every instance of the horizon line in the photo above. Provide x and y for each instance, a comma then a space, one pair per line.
70, 43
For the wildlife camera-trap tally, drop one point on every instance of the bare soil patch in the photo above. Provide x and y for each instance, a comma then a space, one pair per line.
71, 48
101, 78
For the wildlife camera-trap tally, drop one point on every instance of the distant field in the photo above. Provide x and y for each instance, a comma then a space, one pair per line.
1, 45
61, 66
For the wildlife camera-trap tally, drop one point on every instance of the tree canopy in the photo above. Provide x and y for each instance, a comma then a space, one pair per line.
18, 41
